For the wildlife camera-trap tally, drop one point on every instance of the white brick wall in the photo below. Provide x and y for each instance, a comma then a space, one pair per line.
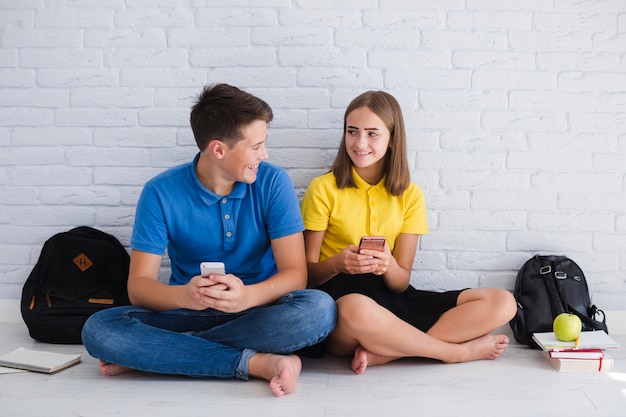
516, 113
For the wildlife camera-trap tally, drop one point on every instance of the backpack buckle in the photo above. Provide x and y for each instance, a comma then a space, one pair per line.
560, 275
545, 269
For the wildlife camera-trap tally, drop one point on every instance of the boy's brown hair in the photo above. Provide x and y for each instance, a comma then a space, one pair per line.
221, 111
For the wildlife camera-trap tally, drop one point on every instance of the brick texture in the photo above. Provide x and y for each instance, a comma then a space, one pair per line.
516, 114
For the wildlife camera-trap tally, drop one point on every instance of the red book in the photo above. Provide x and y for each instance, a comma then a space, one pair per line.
577, 354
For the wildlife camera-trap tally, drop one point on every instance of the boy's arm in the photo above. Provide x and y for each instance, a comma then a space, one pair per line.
290, 261
145, 289
318, 272
291, 264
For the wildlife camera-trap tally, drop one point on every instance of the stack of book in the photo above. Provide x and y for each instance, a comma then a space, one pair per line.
587, 354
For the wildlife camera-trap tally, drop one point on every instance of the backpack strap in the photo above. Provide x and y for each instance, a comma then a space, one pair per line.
590, 320
557, 304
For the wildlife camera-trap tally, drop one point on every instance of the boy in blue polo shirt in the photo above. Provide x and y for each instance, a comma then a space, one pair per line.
226, 205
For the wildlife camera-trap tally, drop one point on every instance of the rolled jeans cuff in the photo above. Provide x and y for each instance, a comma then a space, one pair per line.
242, 369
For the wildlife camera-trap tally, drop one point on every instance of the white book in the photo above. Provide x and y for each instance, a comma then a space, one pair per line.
39, 361
597, 339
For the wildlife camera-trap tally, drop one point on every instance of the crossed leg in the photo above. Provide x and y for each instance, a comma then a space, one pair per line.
282, 371
478, 311
376, 336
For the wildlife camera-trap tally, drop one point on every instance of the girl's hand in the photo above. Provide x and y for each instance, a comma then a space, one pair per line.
379, 261
351, 261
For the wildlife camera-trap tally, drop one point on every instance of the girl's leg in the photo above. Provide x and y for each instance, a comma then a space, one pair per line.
376, 336
478, 312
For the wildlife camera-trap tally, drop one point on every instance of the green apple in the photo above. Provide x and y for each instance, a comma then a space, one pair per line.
567, 327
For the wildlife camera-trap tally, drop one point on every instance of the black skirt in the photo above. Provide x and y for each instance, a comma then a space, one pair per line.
419, 308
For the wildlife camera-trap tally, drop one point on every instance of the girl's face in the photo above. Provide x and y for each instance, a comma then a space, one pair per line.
367, 142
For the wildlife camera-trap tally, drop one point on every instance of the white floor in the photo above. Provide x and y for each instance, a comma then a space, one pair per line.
521, 383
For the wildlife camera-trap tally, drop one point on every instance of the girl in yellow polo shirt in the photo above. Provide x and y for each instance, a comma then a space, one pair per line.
381, 316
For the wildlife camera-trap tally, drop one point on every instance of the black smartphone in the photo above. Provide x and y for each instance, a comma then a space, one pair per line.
373, 243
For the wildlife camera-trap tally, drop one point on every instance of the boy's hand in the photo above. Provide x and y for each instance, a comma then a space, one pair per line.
194, 291
222, 292
210, 282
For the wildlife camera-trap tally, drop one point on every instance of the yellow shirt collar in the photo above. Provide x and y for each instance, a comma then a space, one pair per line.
362, 184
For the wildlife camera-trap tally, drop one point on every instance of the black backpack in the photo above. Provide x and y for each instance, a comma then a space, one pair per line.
79, 272
547, 286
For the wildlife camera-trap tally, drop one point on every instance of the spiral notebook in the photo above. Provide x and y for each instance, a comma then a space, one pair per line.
39, 361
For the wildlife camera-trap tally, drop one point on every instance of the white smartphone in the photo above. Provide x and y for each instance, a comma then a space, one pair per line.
208, 268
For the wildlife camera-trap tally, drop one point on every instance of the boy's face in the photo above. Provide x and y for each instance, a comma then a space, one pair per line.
241, 162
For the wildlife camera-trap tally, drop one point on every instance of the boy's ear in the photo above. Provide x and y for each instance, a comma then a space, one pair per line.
216, 148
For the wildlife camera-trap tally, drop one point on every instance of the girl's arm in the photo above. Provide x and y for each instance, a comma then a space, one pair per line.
348, 261
396, 268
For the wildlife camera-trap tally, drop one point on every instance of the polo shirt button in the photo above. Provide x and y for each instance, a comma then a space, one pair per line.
227, 216
229, 234
224, 200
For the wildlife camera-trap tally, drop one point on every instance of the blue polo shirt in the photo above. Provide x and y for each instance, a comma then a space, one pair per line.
176, 212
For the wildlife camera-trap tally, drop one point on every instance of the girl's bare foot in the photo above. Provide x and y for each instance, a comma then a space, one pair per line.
359, 361
363, 357
281, 371
111, 369
485, 347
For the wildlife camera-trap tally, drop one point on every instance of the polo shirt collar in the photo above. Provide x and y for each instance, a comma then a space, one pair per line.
209, 197
363, 185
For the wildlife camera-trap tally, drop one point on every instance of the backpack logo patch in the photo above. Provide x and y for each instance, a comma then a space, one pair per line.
82, 262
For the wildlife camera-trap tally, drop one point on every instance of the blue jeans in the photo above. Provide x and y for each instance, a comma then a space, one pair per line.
208, 343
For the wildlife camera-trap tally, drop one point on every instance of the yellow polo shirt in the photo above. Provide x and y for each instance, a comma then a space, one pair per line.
368, 210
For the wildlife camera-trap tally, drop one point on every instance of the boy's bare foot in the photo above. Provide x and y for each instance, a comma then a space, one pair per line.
111, 369
281, 371
363, 358
485, 347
